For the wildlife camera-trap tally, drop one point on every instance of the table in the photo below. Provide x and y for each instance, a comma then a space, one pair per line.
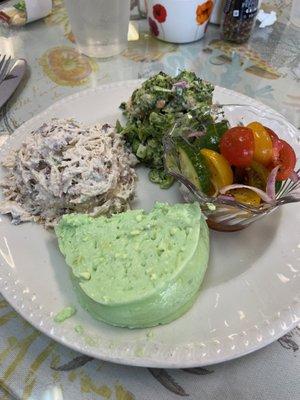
268, 69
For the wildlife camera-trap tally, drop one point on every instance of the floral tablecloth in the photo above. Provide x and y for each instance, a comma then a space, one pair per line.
267, 68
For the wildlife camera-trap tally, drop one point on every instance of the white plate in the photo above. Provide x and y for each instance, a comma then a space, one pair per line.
249, 298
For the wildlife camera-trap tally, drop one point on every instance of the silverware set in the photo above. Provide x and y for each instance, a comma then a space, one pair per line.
11, 74
4, 67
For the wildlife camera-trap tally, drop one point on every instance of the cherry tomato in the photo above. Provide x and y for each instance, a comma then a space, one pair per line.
286, 160
220, 171
246, 196
283, 155
255, 175
271, 133
237, 146
263, 147
258, 175
277, 145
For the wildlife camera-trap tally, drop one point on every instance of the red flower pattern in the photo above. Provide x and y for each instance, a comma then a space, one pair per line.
153, 27
159, 13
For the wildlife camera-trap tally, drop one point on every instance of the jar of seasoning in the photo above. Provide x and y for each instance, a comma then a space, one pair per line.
238, 19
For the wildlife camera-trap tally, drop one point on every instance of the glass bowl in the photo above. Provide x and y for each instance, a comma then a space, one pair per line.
223, 213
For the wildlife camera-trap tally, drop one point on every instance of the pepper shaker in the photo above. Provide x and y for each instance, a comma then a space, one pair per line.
238, 19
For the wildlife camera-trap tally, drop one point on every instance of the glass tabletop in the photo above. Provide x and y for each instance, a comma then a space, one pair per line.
266, 68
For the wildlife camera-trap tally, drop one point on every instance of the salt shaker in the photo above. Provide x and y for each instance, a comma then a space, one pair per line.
238, 19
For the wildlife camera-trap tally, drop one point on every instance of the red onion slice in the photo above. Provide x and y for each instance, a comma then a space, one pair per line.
263, 195
181, 85
226, 197
196, 134
270, 189
294, 177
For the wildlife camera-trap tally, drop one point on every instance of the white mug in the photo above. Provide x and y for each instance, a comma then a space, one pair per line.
178, 21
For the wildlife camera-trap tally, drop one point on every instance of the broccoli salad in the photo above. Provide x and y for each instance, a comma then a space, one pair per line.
153, 110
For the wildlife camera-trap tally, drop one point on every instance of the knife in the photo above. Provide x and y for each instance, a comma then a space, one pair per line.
12, 81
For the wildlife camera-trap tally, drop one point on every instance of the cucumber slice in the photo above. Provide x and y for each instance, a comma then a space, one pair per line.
193, 166
188, 169
278, 185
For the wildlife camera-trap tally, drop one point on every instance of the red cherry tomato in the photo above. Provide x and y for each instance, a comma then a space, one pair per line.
271, 133
283, 155
237, 146
286, 160
277, 145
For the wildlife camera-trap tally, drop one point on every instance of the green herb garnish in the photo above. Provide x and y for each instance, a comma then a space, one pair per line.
21, 6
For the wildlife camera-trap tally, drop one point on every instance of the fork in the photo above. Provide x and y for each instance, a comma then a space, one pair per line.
4, 67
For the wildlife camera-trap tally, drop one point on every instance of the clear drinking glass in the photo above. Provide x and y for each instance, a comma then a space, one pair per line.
295, 13
100, 27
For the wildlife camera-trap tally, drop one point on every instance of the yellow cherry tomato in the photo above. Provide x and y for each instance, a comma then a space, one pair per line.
263, 147
258, 175
219, 167
246, 196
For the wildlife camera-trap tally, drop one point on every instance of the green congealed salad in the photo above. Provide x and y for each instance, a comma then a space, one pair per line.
152, 111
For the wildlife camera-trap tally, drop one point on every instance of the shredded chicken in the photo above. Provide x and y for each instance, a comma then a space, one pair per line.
65, 167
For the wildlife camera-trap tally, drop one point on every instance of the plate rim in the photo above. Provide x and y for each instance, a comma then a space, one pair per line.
22, 305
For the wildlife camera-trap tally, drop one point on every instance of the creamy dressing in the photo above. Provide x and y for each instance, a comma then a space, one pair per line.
64, 314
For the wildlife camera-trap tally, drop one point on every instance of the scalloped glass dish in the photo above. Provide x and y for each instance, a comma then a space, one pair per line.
225, 214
